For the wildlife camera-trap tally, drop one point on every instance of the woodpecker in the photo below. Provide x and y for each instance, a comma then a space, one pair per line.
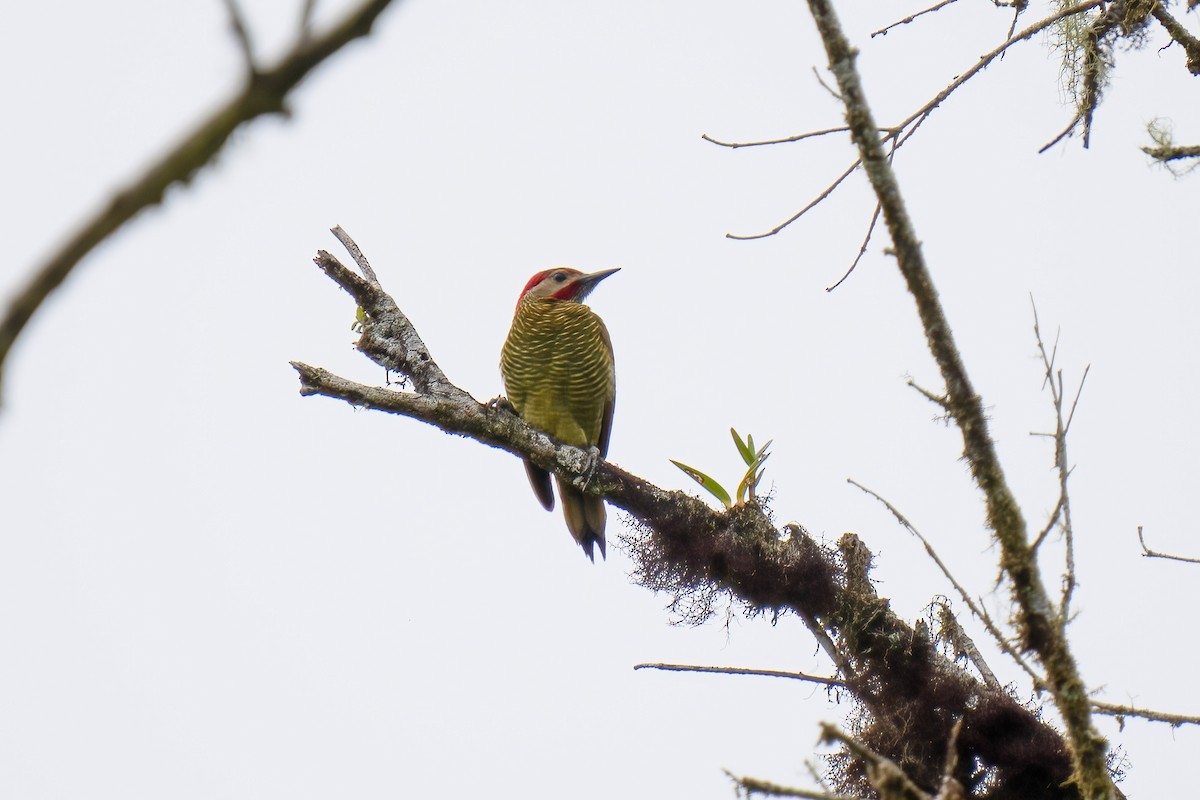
557, 366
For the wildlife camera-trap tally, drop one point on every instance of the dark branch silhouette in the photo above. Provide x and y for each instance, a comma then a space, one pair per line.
265, 92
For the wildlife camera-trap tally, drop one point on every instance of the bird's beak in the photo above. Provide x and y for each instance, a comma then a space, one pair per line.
588, 282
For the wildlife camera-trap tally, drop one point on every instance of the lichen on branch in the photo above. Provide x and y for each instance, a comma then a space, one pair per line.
912, 697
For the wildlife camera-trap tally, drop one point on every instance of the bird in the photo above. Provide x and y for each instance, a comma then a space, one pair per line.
558, 373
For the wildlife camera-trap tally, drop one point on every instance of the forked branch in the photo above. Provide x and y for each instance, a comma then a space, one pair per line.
681, 546
1037, 621
1148, 553
900, 133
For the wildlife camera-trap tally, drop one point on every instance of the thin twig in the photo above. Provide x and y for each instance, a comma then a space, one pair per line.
797, 138
951, 789
1071, 414
975, 608
862, 250
839, 659
936, 399
1019, 7
1067, 131
821, 81
1148, 553
828, 191
1052, 521
911, 17
988, 58
306, 15
1174, 720
1180, 34
241, 32
765, 673
753, 786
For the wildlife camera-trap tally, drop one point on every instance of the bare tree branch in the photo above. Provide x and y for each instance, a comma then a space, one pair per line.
1037, 621
352, 248
828, 191
1063, 134
884, 774
1180, 35
797, 138
1062, 510
862, 250
986, 59
304, 30
265, 92
901, 133
753, 786
764, 673
911, 17
1174, 720
242, 33
956, 636
939, 400
1148, 553
1018, 7
680, 545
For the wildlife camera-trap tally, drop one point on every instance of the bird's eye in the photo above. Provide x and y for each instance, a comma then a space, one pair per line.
560, 276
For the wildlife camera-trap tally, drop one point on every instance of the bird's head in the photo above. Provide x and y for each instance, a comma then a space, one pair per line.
563, 283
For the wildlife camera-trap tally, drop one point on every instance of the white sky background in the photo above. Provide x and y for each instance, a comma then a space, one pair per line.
212, 587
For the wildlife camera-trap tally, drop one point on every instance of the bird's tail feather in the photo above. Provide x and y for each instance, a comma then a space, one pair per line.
585, 517
539, 479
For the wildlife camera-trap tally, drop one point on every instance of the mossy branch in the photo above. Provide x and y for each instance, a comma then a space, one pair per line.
1038, 625
913, 694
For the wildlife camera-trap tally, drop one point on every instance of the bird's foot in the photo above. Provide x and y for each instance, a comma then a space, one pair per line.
501, 404
592, 462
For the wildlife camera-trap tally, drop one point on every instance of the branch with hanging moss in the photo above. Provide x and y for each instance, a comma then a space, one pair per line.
1172, 152
1097, 57
884, 775
702, 543
1178, 159
1037, 622
909, 692
265, 92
